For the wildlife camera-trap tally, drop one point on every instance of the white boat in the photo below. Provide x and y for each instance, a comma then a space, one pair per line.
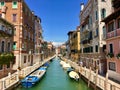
66, 66
74, 75
62, 62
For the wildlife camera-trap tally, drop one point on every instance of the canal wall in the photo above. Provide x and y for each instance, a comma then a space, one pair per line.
9, 82
97, 81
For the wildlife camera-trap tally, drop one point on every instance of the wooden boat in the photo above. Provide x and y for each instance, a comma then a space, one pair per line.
74, 75
33, 78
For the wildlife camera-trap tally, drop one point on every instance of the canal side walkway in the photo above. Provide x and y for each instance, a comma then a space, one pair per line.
97, 81
12, 79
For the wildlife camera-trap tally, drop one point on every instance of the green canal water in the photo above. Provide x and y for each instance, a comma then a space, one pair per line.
57, 79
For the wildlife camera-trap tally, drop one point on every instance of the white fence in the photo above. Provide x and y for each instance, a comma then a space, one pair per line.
12, 79
9, 81
102, 82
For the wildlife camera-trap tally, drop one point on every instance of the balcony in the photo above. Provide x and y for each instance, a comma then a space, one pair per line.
93, 55
113, 34
86, 29
5, 33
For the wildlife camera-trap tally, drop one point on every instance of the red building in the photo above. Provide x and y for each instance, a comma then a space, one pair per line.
113, 41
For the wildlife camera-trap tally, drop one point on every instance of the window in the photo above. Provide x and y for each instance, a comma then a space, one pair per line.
103, 13
110, 26
96, 15
112, 66
91, 49
14, 45
9, 47
14, 17
96, 48
111, 48
1, 67
24, 59
14, 4
29, 58
97, 32
103, 0
3, 45
104, 32
119, 23
2, 4
15, 32
90, 20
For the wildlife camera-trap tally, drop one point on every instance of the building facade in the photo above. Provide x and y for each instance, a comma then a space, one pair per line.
93, 44
18, 13
38, 39
6, 43
113, 41
74, 44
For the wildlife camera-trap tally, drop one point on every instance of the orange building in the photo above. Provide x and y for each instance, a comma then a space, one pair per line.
113, 41
18, 13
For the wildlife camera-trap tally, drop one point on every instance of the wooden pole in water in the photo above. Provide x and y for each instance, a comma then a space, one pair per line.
96, 79
89, 77
106, 80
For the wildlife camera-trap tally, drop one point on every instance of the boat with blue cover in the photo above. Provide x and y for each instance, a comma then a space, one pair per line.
33, 78
69, 69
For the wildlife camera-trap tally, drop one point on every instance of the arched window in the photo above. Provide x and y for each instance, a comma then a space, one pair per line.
103, 13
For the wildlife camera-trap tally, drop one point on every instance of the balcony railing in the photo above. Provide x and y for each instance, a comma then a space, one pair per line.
86, 29
93, 55
114, 33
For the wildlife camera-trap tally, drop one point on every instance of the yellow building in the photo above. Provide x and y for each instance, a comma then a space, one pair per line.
74, 44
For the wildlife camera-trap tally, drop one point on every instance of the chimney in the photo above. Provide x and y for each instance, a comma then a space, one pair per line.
82, 6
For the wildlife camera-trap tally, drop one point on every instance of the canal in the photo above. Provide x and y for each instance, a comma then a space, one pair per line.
57, 79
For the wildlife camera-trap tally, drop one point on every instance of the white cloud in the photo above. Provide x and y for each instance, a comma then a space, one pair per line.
57, 43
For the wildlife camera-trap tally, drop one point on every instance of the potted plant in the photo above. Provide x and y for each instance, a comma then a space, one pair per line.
118, 55
110, 55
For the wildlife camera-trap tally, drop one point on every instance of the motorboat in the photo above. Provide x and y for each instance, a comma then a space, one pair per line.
74, 75
33, 78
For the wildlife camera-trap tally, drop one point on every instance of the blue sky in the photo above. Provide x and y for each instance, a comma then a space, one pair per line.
58, 17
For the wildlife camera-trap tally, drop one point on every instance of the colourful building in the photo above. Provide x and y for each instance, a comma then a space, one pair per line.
38, 39
93, 42
74, 44
18, 13
113, 41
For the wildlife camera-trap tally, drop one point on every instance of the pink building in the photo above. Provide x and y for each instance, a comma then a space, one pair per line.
113, 41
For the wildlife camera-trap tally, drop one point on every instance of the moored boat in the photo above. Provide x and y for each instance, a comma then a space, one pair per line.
69, 69
33, 78
74, 75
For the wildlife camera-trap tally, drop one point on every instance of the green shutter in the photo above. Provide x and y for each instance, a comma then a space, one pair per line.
2, 3
14, 4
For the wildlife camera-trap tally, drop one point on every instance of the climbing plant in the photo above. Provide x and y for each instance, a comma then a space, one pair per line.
6, 58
